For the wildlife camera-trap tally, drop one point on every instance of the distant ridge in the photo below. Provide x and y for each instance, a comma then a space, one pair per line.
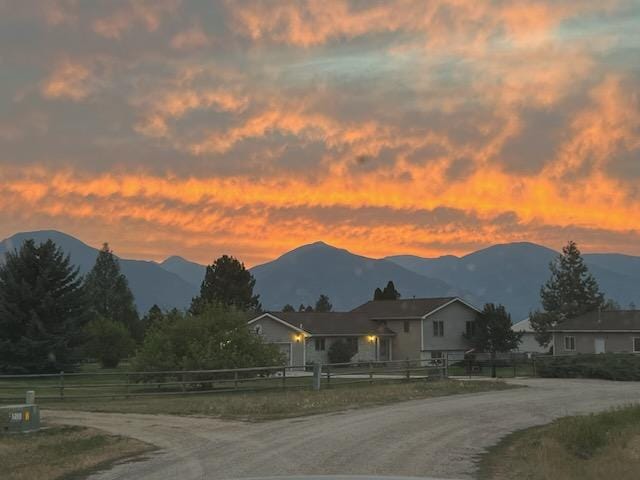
510, 274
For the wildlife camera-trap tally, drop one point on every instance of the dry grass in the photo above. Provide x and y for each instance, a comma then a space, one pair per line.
281, 404
591, 447
62, 452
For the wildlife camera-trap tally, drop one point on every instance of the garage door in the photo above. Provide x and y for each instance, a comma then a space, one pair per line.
285, 348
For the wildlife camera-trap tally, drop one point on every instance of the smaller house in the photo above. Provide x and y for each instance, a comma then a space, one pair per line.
305, 337
615, 331
529, 343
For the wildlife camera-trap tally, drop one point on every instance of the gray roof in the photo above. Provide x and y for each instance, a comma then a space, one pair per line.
333, 323
611, 320
403, 308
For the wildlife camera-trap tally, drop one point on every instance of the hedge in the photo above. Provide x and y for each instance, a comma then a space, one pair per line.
608, 366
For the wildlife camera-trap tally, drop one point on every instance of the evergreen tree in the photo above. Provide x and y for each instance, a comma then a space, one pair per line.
309, 308
109, 294
42, 310
153, 317
389, 292
229, 284
288, 308
571, 291
301, 308
492, 332
323, 304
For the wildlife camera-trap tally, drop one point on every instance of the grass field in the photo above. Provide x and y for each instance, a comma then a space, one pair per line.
62, 452
605, 445
257, 406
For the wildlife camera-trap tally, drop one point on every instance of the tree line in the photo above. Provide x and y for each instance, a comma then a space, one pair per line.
52, 318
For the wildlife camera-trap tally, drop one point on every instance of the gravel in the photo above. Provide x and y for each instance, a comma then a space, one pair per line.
438, 437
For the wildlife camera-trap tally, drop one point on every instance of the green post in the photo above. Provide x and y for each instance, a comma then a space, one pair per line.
328, 376
235, 380
408, 363
127, 386
370, 372
61, 383
284, 377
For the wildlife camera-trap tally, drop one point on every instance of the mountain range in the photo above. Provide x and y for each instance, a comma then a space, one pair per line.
510, 274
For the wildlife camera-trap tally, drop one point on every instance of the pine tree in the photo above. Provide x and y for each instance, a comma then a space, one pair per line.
323, 304
153, 317
229, 284
109, 294
571, 291
288, 308
42, 310
389, 292
492, 332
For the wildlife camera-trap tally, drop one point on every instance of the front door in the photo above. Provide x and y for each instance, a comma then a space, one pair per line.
384, 349
599, 345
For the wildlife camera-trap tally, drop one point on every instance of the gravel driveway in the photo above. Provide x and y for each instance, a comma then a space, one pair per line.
435, 437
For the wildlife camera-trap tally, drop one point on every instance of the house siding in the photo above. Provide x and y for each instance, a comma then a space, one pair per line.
366, 350
405, 345
276, 332
454, 317
615, 342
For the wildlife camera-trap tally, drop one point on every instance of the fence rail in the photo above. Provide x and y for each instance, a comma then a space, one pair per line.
71, 386
96, 385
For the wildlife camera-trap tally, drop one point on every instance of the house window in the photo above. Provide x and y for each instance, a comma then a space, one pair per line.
319, 344
436, 355
470, 329
569, 343
407, 326
438, 328
353, 344
636, 345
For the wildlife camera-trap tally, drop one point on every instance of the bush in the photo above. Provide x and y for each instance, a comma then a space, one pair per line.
608, 366
340, 352
108, 342
217, 338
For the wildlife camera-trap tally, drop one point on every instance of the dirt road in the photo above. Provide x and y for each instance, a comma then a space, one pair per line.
436, 437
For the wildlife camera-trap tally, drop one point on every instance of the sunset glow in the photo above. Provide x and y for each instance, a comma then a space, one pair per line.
250, 128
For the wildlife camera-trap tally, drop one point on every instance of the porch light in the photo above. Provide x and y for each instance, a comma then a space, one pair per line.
371, 338
298, 338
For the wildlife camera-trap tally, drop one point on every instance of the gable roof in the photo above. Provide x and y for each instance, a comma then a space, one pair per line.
329, 323
523, 326
609, 320
406, 308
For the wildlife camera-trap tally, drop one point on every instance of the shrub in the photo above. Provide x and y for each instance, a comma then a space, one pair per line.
608, 366
217, 338
108, 342
340, 352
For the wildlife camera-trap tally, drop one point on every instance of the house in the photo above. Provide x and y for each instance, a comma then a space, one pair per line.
614, 331
420, 328
529, 344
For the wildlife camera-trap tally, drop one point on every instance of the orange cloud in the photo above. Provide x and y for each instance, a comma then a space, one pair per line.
68, 80
146, 13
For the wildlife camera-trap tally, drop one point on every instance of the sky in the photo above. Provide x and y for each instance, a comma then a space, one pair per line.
251, 127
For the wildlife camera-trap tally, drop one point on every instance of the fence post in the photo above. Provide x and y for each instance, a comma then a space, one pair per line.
533, 361
317, 375
328, 376
515, 366
61, 384
235, 380
408, 373
370, 372
127, 386
446, 365
284, 377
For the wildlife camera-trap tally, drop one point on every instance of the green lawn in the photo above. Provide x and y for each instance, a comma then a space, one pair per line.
590, 447
62, 452
280, 404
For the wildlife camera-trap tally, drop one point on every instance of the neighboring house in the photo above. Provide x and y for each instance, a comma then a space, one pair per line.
528, 344
421, 328
615, 331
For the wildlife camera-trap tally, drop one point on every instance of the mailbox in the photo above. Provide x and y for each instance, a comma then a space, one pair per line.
19, 418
